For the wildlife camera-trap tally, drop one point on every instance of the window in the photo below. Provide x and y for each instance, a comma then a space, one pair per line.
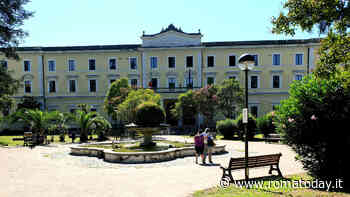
253, 81
133, 83
210, 61
210, 80
276, 59
27, 87
93, 85
299, 77
52, 65
26, 65
232, 60
232, 77
133, 63
3, 63
71, 65
298, 59
171, 83
52, 86
171, 62
154, 62
189, 82
275, 81
256, 59
254, 110
112, 64
92, 64
154, 83
111, 81
72, 86
189, 61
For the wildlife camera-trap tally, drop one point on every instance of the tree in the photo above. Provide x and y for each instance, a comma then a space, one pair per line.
12, 15
88, 120
8, 87
116, 94
313, 121
149, 116
127, 109
319, 104
207, 102
229, 96
28, 102
186, 107
329, 16
39, 121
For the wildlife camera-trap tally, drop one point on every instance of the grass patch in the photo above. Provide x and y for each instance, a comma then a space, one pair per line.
270, 187
7, 141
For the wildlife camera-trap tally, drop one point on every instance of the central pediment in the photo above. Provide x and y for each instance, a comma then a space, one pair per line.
171, 37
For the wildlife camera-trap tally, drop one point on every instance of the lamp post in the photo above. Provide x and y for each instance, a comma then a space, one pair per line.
246, 63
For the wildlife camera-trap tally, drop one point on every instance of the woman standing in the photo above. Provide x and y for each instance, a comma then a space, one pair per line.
199, 146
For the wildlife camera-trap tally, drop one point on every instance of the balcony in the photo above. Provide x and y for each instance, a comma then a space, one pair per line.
174, 90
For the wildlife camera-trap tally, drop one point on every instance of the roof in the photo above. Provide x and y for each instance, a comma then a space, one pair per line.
82, 48
136, 46
261, 42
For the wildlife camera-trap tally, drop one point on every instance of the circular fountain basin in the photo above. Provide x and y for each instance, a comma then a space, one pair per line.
138, 157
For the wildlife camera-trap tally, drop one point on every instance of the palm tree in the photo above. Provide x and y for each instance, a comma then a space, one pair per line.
39, 121
60, 123
89, 120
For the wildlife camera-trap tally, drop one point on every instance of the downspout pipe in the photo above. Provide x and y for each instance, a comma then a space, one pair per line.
43, 82
308, 61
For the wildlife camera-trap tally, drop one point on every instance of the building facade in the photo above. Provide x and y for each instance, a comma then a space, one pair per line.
170, 61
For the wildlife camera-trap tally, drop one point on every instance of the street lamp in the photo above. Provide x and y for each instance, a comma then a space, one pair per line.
246, 63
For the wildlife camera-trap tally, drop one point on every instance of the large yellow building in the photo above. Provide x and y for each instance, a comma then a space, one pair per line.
63, 77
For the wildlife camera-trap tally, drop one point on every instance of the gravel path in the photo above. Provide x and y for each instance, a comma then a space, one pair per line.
51, 171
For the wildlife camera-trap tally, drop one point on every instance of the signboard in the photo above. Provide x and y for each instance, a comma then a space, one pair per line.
245, 115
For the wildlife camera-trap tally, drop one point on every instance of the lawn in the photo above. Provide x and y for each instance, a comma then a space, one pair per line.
269, 187
7, 140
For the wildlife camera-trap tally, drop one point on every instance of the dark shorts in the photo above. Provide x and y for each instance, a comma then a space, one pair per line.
199, 149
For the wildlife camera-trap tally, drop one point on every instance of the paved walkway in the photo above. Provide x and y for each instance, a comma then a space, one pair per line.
52, 171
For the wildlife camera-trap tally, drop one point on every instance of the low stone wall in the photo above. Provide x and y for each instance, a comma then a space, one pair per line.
139, 157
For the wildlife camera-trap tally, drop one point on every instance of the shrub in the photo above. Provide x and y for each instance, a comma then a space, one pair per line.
149, 114
266, 125
251, 126
314, 122
227, 128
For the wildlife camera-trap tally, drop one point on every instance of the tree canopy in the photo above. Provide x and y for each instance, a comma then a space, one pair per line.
230, 97
116, 94
307, 14
127, 109
12, 16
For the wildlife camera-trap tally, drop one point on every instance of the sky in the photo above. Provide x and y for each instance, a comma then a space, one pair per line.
112, 22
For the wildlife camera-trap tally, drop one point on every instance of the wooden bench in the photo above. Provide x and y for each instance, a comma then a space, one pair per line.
253, 162
273, 137
27, 139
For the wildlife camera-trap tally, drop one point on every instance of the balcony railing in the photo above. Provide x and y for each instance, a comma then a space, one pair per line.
174, 90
